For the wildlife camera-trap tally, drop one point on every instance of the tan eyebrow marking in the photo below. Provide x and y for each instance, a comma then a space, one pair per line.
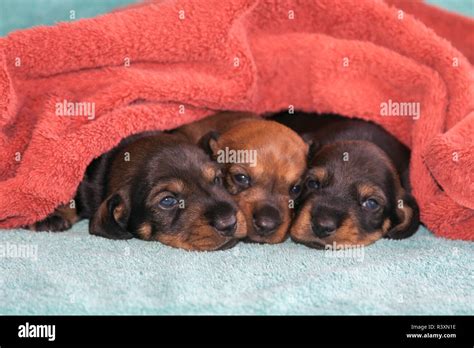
172, 185
367, 190
319, 173
209, 172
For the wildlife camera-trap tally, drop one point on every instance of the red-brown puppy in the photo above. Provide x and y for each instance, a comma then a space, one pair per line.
155, 186
356, 188
263, 165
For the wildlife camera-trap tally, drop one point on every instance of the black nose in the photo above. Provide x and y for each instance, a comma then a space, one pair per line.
222, 216
266, 220
225, 224
324, 226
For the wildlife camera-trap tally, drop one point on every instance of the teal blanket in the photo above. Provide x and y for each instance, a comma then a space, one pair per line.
75, 273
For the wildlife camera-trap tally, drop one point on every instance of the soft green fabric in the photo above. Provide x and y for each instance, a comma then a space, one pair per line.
19, 14
75, 273
465, 7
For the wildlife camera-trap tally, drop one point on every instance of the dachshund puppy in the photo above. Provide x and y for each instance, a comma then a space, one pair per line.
356, 188
155, 186
264, 162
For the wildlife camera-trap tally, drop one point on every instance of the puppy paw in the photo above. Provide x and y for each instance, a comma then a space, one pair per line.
54, 223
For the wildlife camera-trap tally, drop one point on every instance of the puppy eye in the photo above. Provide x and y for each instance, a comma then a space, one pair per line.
242, 179
168, 202
296, 189
313, 184
370, 204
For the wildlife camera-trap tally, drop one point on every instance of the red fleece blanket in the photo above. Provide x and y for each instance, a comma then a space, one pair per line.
72, 91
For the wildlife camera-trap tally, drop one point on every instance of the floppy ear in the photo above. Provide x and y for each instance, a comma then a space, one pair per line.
408, 215
110, 220
209, 143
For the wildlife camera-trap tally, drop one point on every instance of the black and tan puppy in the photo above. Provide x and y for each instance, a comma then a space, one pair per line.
356, 188
263, 165
155, 186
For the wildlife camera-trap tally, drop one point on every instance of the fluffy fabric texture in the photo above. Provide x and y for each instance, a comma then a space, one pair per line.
340, 56
420, 275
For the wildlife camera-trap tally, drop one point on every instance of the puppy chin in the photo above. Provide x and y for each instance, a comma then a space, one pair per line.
308, 239
331, 243
213, 244
207, 239
278, 237
255, 238
228, 245
301, 232
216, 243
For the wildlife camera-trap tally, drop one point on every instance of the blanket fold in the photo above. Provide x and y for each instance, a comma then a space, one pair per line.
165, 63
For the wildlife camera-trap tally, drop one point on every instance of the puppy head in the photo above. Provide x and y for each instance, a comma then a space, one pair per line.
352, 195
264, 162
177, 197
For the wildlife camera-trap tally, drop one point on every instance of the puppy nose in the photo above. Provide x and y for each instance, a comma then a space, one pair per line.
225, 224
323, 227
266, 220
222, 216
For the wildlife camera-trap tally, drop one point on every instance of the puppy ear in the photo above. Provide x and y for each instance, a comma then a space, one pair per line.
209, 143
313, 145
110, 220
408, 215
